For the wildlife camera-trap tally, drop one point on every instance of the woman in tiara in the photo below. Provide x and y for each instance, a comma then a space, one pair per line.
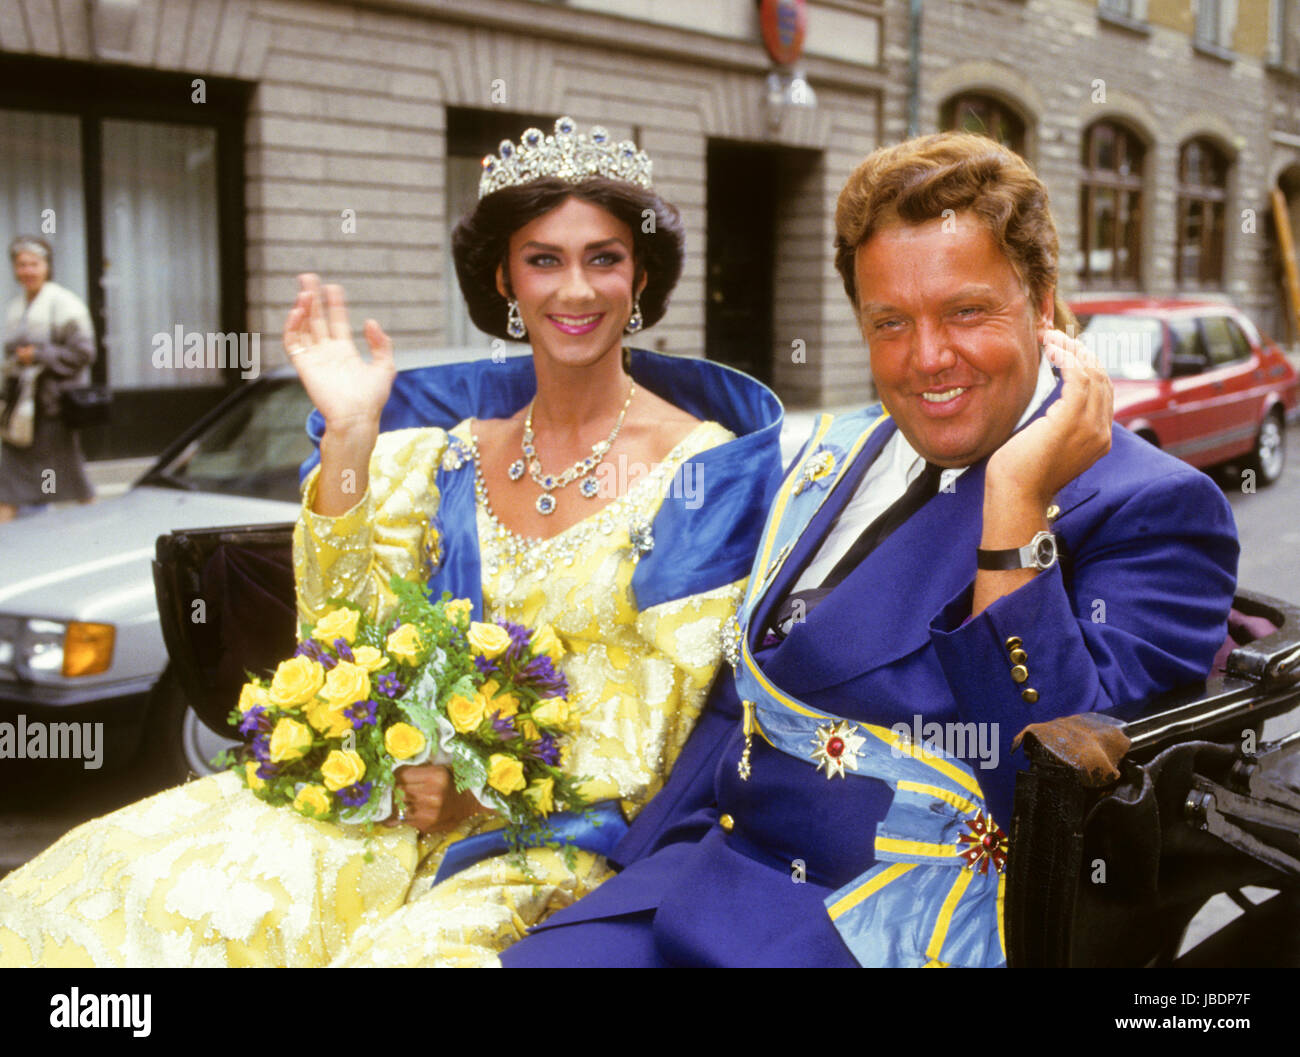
613, 494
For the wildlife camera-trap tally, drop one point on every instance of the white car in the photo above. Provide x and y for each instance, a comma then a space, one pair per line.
79, 630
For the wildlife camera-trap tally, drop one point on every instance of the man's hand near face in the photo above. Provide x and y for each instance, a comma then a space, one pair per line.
1026, 472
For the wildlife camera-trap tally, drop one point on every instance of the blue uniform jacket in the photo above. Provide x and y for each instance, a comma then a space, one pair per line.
1137, 607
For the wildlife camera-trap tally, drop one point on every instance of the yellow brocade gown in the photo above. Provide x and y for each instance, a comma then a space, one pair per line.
208, 875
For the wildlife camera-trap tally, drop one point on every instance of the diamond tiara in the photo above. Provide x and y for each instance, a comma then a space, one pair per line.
568, 154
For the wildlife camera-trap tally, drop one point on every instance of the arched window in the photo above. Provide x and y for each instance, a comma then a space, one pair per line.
1111, 205
987, 116
1202, 193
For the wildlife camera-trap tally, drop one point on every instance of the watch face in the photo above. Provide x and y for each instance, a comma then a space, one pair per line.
1044, 550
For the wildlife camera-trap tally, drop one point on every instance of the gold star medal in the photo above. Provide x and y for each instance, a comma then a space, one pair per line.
836, 747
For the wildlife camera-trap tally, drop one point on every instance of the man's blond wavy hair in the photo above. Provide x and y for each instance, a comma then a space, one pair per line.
916, 181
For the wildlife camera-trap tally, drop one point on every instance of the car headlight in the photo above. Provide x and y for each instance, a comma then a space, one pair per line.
39, 649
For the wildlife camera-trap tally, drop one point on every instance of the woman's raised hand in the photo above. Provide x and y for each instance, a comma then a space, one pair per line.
348, 390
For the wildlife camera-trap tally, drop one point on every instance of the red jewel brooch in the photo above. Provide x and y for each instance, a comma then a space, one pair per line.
984, 843
836, 747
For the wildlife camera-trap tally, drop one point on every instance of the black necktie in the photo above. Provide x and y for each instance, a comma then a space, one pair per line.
799, 604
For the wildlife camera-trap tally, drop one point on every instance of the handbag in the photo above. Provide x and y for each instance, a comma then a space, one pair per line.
85, 405
18, 405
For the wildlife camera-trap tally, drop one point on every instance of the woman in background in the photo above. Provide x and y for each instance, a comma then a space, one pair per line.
48, 343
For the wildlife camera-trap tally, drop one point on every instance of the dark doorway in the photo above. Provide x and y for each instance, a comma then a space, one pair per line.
741, 206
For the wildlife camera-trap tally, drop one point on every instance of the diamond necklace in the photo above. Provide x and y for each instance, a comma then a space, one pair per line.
583, 468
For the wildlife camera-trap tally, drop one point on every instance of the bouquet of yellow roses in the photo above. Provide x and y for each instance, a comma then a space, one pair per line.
359, 699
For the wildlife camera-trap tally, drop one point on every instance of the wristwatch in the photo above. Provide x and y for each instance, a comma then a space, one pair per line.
1039, 553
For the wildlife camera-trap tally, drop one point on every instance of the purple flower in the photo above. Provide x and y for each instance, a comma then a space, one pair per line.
389, 685
504, 727
262, 748
546, 750
308, 648
355, 795
327, 661
362, 713
540, 673
343, 650
254, 719
267, 771
485, 666
520, 637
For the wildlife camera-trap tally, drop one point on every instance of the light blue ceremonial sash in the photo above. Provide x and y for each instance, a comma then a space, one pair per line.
922, 904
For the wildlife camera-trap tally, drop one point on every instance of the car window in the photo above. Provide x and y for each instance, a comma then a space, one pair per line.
1218, 341
254, 449
1128, 347
1239, 341
1186, 337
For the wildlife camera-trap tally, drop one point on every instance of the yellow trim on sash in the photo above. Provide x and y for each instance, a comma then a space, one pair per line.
946, 795
783, 497
1002, 895
930, 759
916, 847
944, 920
846, 903
936, 964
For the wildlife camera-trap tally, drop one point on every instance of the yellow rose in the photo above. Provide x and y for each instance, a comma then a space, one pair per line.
529, 729
403, 741
340, 624
296, 681
465, 714
488, 640
342, 769
506, 704
369, 658
346, 684
312, 801
459, 610
289, 741
330, 720
546, 641
404, 644
251, 694
250, 772
505, 773
541, 794
552, 713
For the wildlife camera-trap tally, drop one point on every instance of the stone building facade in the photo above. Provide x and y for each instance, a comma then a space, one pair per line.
343, 138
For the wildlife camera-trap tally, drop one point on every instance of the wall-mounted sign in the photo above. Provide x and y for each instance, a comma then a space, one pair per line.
784, 23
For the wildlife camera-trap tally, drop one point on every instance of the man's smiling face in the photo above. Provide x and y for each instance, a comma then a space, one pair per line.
953, 335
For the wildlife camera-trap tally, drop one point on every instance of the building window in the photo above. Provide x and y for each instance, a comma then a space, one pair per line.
1284, 34
1125, 10
1202, 192
1111, 206
986, 116
1216, 21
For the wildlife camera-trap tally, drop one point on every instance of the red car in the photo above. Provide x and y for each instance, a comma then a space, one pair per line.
1194, 378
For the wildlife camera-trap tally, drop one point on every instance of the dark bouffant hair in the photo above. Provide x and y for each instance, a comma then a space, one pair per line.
481, 241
